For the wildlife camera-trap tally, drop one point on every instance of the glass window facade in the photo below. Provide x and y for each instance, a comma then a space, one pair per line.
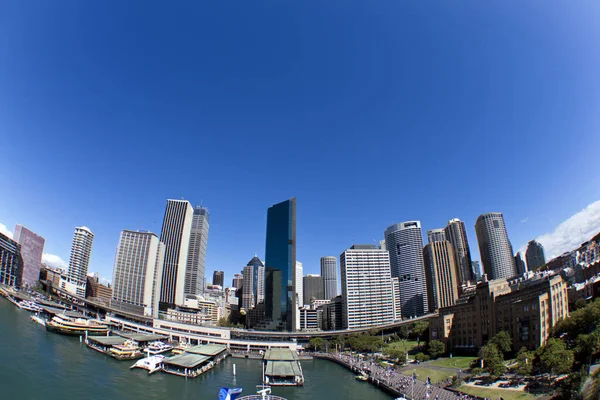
280, 263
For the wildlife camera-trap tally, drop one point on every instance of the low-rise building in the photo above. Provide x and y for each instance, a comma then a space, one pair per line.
95, 291
526, 308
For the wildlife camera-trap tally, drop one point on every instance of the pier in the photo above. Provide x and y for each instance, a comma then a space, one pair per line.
281, 367
195, 360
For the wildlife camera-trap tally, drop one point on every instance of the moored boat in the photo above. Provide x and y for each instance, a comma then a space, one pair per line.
75, 326
151, 364
29, 306
158, 347
37, 319
126, 351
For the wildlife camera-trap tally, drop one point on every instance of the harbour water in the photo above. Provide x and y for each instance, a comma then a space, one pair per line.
37, 364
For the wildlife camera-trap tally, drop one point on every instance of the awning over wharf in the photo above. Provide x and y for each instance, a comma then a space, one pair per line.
186, 360
107, 340
282, 368
210, 350
141, 337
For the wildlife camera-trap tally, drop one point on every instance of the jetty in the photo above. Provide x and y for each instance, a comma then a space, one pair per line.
103, 344
195, 360
281, 367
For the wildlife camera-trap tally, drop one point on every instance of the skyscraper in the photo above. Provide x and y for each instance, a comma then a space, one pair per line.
436, 235
520, 264
535, 255
280, 262
329, 274
81, 251
32, 248
476, 270
219, 278
195, 280
11, 262
367, 288
456, 234
494, 247
313, 288
237, 281
442, 275
405, 245
175, 234
138, 272
253, 291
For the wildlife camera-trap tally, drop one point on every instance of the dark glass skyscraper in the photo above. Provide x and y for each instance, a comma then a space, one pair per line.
280, 263
535, 255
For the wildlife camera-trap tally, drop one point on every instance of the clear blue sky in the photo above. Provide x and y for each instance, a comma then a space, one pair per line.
370, 113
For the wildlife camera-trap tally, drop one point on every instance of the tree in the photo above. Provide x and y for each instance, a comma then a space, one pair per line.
587, 345
554, 357
436, 348
403, 332
421, 357
493, 360
339, 341
396, 351
502, 341
524, 362
419, 328
579, 304
316, 343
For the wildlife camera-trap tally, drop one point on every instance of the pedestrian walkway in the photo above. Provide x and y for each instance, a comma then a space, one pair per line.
409, 387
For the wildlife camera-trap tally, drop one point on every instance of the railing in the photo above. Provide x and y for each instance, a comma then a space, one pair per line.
261, 397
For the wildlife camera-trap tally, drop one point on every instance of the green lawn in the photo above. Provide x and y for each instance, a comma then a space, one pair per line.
433, 374
454, 362
496, 393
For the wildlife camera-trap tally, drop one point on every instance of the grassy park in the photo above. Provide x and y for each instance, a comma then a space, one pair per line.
454, 362
496, 393
433, 374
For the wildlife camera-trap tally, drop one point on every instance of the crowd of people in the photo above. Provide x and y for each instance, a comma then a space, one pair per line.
412, 387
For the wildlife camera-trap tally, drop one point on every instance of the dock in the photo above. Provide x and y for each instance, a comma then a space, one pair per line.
195, 361
103, 344
281, 367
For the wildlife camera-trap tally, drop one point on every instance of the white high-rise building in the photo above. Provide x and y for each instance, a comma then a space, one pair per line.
81, 251
175, 234
367, 288
329, 274
405, 245
137, 274
298, 291
253, 290
195, 280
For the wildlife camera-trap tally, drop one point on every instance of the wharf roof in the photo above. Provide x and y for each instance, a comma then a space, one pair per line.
186, 360
107, 340
282, 368
22, 296
141, 337
61, 311
283, 354
51, 304
207, 349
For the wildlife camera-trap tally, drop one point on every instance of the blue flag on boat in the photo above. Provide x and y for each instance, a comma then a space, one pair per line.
229, 393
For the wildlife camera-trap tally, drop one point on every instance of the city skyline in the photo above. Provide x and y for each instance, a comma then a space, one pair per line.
377, 86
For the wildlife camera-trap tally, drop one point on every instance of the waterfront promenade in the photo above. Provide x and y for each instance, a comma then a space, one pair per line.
393, 381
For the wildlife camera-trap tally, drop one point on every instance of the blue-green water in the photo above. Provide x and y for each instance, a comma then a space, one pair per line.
36, 364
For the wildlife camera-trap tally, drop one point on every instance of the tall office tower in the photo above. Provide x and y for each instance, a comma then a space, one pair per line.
442, 275
329, 274
405, 245
11, 262
219, 278
520, 264
280, 266
248, 299
456, 234
81, 251
237, 281
494, 247
367, 288
436, 235
253, 291
535, 255
138, 272
32, 248
195, 280
397, 301
175, 234
313, 288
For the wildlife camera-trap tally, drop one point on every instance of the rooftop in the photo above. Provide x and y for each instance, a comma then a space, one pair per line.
284, 354
186, 360
282, 368
207, 349
141, 337
61, 311
107, 340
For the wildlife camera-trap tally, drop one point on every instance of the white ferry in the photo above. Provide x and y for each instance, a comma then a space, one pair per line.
157, 347
151, 364
75, 326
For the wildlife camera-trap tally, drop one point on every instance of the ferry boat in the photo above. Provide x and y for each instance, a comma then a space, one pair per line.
75, 326
126, 351
263, 393
158, 347
151, 364
181, 348
362, 377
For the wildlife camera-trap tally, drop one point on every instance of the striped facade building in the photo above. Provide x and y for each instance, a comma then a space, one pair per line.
195, 270
329, 274
367, 289
494, 247
175, 234
442, 275
79, 262
404, 242
138, 272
